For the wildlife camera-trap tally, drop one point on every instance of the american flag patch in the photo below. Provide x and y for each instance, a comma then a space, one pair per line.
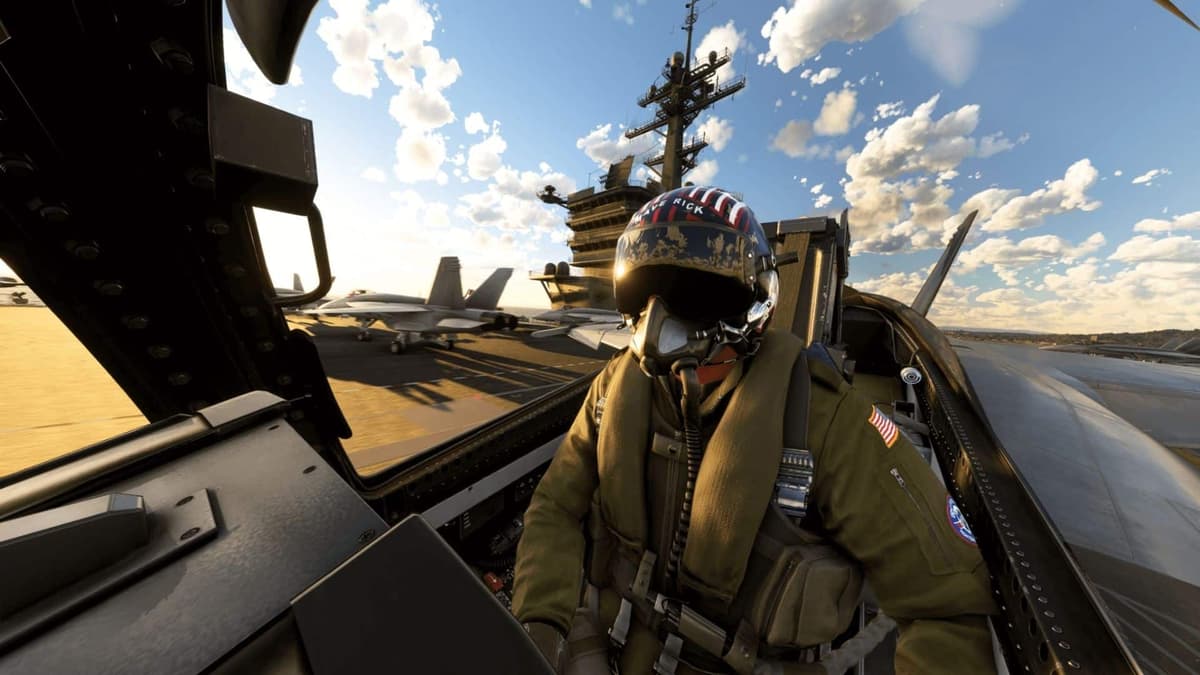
886, 428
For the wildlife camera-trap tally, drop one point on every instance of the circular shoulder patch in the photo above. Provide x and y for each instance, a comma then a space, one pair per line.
958, 522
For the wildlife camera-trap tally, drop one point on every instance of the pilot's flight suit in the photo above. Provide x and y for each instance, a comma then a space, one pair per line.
872, 494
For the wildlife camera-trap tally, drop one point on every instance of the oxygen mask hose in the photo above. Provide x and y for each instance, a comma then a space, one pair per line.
685, 370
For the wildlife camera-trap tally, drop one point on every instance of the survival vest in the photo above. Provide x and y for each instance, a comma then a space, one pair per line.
775, 586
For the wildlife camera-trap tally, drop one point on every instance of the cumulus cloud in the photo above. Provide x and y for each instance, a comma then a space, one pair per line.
823, 76
483, 158
792, 139
917, 142
419, 156
704, 173
374, 175
884, 111
816, 189
797, 34
1059, 196
586, 3
392, 34
822, 201
510, 201
719, 39
475, 124
836, 113
1187, 221
1144, 248
1118, 172
1008, 257
242, 75
1146, 178
718, 132
1154, 287
604, 150
994, 144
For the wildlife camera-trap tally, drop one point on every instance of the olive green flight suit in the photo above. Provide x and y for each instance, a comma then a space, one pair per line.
881, 504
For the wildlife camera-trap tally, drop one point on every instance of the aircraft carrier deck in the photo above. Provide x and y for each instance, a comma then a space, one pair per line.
56, 398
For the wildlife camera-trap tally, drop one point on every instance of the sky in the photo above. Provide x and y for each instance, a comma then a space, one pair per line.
1069, 125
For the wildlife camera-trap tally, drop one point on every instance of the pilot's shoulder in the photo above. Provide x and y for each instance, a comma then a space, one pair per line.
823, 371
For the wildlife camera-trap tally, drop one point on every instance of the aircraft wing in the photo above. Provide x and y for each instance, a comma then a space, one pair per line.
377, 308
596, 334
458, 323
1093, 437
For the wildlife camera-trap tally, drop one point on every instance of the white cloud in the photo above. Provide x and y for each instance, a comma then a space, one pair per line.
604, 151
816, 189
822, 201
475, 124
420, 108
824, 76
917, 142
242, 75
419, 156
793, 138
704, 173
1006, 256
718, 39
1118, 172
483, 158
1065, 194
1187, 221
945, 33
994, 144
778, 103
510, 202
1146, 178
1144, 248
836, 113
361, 39
797, 34
586, 3
885, 110
718, 132
374, 175
623, 12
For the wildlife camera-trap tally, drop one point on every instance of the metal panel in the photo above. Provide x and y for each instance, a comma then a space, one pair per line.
285, 520
408, 604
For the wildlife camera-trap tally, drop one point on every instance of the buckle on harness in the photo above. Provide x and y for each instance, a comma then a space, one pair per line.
668, 660
620, 628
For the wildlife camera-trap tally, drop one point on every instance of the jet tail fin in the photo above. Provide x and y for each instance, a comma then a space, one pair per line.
296, 285
487, 296
447, 285
933, 284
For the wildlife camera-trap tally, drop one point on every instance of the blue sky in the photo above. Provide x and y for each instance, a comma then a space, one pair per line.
1069, 123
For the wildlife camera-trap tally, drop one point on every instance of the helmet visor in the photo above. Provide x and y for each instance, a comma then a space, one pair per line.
710, 267
716, 249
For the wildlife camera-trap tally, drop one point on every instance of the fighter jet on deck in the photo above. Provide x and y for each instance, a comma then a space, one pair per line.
447, 312
297, 289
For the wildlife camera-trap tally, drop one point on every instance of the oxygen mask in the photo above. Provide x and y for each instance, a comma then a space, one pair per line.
663, 342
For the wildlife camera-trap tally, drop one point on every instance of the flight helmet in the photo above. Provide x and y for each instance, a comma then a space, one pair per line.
701, 253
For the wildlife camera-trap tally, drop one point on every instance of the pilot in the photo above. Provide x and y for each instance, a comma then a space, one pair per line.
723, 491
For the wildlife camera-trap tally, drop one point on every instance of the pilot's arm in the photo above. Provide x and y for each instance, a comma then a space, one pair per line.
550, 554
878, 499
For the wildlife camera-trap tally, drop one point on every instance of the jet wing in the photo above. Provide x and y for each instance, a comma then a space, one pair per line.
377, 308
596, 334
1087, 434
458, 323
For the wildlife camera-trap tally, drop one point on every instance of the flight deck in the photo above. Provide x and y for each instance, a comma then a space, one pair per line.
397, 405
